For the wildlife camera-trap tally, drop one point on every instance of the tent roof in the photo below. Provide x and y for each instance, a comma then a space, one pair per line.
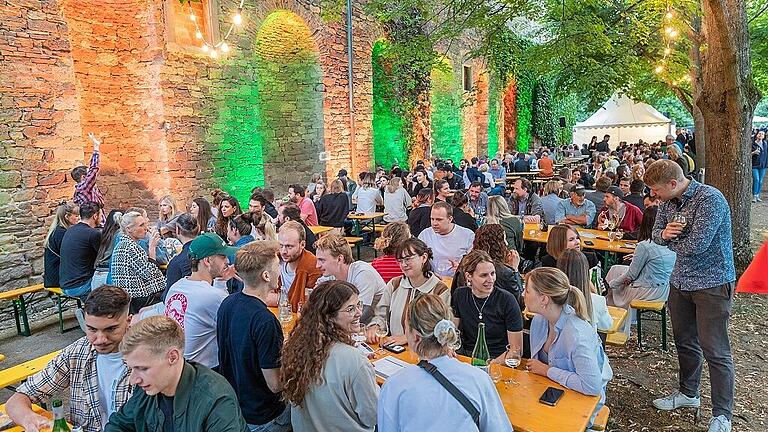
759, 119
620, 110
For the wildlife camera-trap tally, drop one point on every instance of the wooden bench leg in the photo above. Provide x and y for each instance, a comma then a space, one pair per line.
640, 329
61, 315
664, 327
20, 313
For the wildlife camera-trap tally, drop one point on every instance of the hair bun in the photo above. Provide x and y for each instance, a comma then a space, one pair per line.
117, 217
446, 334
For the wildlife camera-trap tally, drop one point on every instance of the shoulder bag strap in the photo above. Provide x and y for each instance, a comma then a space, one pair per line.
455, 392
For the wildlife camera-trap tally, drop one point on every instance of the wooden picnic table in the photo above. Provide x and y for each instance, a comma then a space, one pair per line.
20, 372
600, 240
36, 408
319, 229
519, 391
365, 219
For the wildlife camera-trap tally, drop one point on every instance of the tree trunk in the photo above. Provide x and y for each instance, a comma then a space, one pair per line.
422, 130
727, 102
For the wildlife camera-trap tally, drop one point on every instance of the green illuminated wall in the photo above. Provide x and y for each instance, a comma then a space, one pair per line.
389, 145
494, 109
290, 98
446, 113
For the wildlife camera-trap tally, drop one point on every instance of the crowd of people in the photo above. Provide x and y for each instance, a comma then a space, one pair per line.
179, 335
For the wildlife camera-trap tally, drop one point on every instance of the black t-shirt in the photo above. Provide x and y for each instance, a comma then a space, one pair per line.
78, 254
332, 209
178, 268
419, 219
51, 258
250, 339
463, 219
166, 406
550, 261
501, 314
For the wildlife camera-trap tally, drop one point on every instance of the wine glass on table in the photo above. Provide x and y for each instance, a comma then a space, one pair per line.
382, 331
512, 359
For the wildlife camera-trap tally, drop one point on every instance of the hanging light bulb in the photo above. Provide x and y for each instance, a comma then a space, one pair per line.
238, 18
673, 34
669, 30
686, 77
198, 34
659, 69
204, 47
192, 17
668, 15
224, 47
667, 51
214, 53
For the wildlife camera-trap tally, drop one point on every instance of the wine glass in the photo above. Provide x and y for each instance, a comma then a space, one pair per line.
680, 219
494, 370
443, 267
619, 235
382, 331
512, 359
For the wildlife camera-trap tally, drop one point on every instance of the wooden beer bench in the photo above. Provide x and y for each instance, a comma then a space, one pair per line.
20, 306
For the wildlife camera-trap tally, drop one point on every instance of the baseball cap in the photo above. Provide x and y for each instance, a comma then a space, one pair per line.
579, 190
342, 173
209, 244
614, 190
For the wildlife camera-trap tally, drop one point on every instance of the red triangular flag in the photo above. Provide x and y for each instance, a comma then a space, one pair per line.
755, 278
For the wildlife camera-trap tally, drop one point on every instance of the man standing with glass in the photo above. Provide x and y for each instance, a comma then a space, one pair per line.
694, 221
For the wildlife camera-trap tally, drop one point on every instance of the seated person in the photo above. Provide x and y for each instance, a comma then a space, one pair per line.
172, 394
298, 266
498, 213
491, 239
635, 197
574, 358
647, 276
576, 210
81, 242
420, 181
419, 218
296, 194
461, 212
410, 399
618, 214
250, 340
393, 235
334, 259
480, 302
524, 203
478, 199
194, 301
562, 237
417, 280
455, 182
443, 191
131, 268
335, 389
367, 197
291, 212
186, 229
597, 196
574, 264
333, 207
448, 241
67, 215
551, 200
239, 232
91, 368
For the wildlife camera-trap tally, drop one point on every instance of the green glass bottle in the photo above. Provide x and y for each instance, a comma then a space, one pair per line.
59, 423
481, 357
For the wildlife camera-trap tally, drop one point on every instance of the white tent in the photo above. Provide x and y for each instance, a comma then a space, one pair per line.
759, 119
624, 120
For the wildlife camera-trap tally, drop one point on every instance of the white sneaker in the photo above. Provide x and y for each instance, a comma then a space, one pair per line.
719, 424
676, 400
754, 198
757, 197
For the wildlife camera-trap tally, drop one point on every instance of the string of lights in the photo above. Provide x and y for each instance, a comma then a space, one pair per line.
221, 46
670, 36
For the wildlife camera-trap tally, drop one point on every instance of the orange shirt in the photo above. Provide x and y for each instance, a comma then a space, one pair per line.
546, 165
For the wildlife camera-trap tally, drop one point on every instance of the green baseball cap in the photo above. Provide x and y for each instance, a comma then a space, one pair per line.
209, 244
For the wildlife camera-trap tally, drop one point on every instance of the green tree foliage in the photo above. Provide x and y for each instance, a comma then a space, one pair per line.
525, 84
542, 116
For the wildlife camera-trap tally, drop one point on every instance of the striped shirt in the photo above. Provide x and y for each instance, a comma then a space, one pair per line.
387, 267
86, 189
75, 368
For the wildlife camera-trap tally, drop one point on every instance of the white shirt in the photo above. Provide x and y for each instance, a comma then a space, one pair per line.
452, 246
287, 275
194, 305
412, 400
367, 198
367, 280
602, 317
109, 369
396, 204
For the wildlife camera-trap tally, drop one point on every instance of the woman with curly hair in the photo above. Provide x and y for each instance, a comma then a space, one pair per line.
392, 237
329, 383
229, 207
491, 238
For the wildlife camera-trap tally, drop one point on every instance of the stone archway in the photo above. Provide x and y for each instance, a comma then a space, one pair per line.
290, 99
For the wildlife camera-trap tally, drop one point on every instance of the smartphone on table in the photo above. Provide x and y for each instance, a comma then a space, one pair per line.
551, 396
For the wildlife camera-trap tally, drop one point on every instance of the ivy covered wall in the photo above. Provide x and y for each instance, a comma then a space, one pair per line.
389, 144
446, 113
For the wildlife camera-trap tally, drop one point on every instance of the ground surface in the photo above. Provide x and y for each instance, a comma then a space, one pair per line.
639, 376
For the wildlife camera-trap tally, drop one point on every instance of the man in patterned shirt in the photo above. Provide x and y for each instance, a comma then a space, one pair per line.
91, 367
86, 189
694, 221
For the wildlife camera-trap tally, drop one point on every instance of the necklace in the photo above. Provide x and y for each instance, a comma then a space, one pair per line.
479, 309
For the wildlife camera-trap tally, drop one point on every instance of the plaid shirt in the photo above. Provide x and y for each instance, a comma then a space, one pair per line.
86, 189
75, 368
133, 271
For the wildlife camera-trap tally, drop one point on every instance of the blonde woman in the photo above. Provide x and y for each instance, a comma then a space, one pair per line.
498, 213
67, 214
564, 346
410, 399
367, 196
166, 210
396, 201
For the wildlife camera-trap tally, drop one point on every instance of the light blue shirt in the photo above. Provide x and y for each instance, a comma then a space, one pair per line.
500, 173
566, 207
412, 400
576, 358
651, 266
549, 203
